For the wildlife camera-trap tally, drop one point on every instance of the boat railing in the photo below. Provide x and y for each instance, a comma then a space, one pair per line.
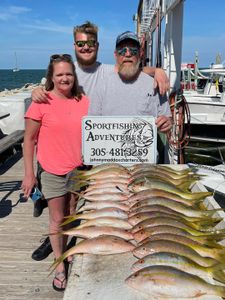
209, 168
220, 150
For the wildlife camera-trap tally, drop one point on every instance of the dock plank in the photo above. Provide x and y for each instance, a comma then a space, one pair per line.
21, 278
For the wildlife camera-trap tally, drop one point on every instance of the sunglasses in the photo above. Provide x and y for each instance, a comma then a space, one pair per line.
66, 57
133, 51
89, 43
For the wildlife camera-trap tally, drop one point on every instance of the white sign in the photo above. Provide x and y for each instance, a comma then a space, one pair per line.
119, 139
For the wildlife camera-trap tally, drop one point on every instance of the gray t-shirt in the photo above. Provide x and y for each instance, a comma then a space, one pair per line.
117, 97
91, 78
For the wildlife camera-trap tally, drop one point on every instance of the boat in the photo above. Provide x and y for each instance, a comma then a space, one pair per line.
213, 180
197, 96
15, 102
16, 68
204, 91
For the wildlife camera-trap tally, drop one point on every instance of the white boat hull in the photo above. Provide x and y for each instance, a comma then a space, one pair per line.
206, 109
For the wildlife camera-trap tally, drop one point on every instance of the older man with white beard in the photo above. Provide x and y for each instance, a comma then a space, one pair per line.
130, 91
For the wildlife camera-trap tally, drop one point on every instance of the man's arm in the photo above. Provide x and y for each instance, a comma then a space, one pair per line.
39, 95
160, 78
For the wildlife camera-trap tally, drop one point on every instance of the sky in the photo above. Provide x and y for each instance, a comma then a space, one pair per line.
37, 29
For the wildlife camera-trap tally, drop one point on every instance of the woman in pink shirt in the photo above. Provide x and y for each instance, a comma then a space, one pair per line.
56, 128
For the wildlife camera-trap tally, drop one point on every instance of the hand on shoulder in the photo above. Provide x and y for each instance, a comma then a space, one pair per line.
39, 95
161, 81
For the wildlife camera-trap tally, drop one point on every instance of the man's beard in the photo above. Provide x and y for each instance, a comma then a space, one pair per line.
85, 62
128, 71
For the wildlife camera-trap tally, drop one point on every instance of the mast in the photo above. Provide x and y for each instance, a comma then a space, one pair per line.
15, 69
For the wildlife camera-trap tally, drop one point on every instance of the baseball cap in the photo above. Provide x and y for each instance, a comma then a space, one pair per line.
127, 35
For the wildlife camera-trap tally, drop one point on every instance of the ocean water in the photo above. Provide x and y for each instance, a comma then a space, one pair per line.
11, 80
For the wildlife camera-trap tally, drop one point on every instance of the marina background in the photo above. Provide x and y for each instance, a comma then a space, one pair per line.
38, 35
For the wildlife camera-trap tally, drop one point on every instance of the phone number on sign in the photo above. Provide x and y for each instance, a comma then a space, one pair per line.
119, 152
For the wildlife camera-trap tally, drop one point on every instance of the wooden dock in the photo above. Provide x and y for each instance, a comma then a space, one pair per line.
21, 278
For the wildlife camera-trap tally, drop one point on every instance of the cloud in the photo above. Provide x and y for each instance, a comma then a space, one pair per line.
11, 12
48, 25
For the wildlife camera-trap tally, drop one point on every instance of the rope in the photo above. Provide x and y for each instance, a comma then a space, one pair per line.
180, 135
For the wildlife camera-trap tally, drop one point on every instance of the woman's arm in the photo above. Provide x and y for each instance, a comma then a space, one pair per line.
30, 138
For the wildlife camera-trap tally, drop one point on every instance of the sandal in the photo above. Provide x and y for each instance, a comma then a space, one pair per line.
61, 278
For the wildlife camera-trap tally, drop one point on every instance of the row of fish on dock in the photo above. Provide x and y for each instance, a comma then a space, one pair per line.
150, 210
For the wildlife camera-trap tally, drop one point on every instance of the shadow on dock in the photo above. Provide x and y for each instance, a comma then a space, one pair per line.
5, 203
7, 162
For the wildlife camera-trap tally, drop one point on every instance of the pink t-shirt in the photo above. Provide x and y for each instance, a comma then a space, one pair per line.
59, 139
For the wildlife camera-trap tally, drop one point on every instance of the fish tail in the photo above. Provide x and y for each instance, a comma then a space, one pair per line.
217, 235
202, 195
210, 242
81, 209
54, 233
69, 220
82, 176
220, 290
217, 272
212, 211
59, 260
205, 224
208, 220
219, 276
202, 226
185, 186
219, 254
74, 215
196, 196
78, 193
76, 186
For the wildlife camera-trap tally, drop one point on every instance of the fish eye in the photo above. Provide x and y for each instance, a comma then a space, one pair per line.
141, 261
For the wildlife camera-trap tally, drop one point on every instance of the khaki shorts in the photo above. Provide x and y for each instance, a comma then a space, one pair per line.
53, 185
